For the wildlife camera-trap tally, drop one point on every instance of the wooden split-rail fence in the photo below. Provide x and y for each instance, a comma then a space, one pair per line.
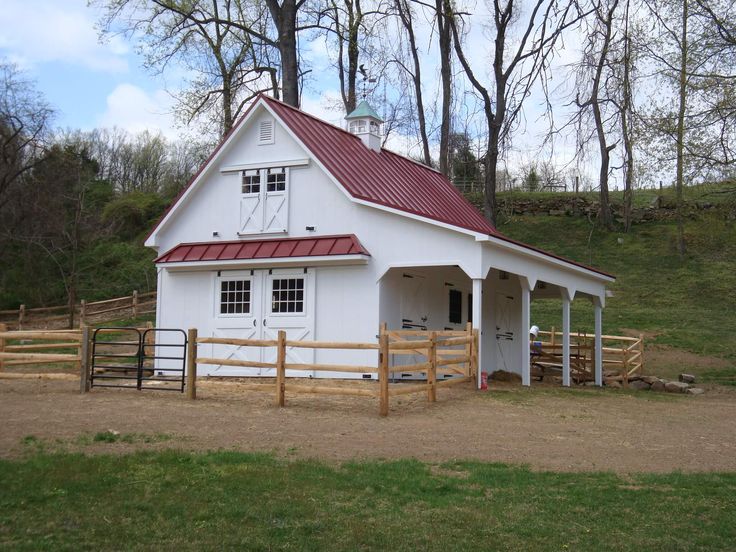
623, 356
133, 305
51, 347
441, 353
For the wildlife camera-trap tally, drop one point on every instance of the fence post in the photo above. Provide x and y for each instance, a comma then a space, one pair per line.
641, 354
383, 373
150, 344
191, 364
82, 313
432, 372
469, 347
21, 316
135, 303
84, 368
625, 369
281, 369
3, 328
552, 339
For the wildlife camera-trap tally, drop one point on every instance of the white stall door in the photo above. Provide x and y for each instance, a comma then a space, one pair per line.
256, 305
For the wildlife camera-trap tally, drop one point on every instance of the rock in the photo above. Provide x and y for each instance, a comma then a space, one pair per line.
639, 385
676, 387
687, 378
657, 386
695, 391
613, 384
649, 379
556, 212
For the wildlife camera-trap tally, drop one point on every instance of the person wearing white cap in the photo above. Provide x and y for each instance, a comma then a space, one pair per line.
536, 346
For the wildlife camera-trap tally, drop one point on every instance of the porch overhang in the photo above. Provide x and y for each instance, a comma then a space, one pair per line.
305, 251
331, 260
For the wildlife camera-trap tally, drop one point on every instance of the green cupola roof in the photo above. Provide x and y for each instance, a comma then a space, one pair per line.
364, 110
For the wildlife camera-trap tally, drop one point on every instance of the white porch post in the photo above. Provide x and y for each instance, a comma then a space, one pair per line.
526, 288
598, 306
478, 323
565, 336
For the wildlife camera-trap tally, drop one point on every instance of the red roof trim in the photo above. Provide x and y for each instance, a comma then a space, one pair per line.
278, 248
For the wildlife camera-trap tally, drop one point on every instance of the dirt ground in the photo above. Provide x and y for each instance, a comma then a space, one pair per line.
547, 428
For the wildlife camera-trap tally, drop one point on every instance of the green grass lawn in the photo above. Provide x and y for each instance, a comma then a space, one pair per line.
224, 500
686, 303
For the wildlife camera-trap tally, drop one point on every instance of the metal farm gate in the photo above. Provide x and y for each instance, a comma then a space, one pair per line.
154, 358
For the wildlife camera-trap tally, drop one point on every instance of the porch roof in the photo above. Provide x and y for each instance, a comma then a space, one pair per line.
319, 246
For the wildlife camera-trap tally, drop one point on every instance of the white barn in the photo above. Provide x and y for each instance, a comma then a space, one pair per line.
299, 225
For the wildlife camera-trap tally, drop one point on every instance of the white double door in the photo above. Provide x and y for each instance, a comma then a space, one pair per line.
256, 304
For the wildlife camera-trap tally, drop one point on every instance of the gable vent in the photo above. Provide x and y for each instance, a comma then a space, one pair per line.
265, 132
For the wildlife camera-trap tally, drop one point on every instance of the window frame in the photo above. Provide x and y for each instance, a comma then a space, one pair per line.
251, 174
286, 277
249, 291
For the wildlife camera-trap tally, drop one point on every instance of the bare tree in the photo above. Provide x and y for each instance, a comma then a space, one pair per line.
350, 27
405, 14
514, 71
695, 125
596, 60
24, 121
231, 63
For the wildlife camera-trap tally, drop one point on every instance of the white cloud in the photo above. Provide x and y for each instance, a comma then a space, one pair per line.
327, 106
135, 110
42, 31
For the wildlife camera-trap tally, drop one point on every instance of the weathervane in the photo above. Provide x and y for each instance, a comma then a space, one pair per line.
366, 79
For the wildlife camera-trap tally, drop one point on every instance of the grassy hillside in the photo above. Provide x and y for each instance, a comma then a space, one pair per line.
685, 303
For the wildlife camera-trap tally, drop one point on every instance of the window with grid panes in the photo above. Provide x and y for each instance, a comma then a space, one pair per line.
276, 180
287, 295
251, 182
235, 297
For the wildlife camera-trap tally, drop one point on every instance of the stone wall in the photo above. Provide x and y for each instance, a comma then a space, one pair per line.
661, 208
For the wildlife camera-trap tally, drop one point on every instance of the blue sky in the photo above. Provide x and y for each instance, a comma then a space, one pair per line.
88, 82
92, 83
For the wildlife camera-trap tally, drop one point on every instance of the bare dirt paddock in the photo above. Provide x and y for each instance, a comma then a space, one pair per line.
546, 428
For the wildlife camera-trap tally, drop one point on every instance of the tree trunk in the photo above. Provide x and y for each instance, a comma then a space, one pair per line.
445, 42
626, 133
284, 18
71, 302
605, 216
227, 106
404, 12
353, 57
681, 131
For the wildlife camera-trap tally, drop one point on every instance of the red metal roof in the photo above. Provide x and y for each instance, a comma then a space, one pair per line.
382, 177
264, 249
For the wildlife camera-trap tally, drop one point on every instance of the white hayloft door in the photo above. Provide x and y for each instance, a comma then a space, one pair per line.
264, 203
256, 304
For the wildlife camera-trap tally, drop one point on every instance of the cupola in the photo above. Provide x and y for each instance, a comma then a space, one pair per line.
365, 123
